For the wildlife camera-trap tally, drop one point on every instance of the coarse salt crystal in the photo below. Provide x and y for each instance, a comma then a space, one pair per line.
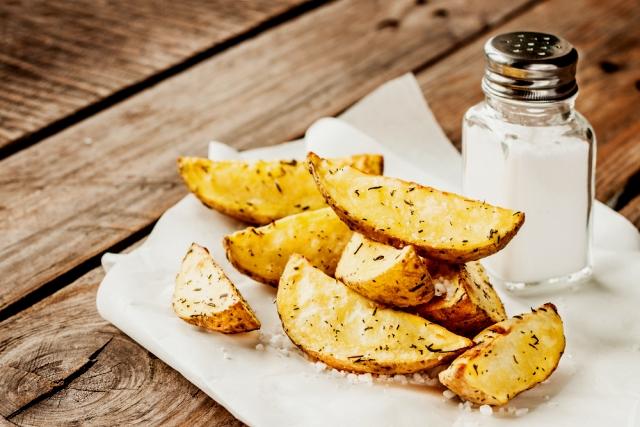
440, 289
88, 141
400, 379
466, 406
352, 378
366, 379
319, 366
486, 410
260, 347
521, 411
448, 394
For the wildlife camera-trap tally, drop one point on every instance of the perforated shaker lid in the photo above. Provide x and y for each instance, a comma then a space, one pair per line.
530, 66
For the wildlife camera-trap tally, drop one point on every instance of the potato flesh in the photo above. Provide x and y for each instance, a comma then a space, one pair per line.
440, 225
262, 252
345, 330
509, 358
259, 192
470, 303
482, 293
205, 297
390, 276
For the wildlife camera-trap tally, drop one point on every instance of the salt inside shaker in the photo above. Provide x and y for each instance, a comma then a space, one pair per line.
525, 147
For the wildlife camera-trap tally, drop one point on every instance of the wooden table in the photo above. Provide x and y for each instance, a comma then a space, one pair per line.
97, 99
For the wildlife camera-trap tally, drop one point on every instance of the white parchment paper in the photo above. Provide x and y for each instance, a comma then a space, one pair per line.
596, 384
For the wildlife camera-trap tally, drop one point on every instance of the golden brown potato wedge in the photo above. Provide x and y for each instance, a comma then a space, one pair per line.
262, 252
382, 273
509, 357
467, 303
440, 225
205, 297
345, 330
259, 192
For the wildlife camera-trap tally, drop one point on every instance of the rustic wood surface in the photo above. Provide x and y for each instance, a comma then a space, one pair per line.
126, 176
57, 57
631, 210
60, 363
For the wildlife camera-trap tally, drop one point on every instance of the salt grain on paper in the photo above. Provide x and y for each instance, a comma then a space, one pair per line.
486, 410
225, 355
320, 367
448, 394
400, 379
466, 406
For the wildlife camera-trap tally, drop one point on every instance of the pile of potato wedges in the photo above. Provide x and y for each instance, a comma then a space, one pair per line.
373, 274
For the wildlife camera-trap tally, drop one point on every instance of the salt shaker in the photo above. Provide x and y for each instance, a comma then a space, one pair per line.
525, 147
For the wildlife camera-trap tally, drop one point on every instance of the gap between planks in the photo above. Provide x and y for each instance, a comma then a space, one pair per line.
153, 79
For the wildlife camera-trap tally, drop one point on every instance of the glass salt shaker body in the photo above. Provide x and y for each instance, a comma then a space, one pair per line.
525, 147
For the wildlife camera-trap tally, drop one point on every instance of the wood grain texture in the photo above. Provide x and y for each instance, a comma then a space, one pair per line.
632, 211
61, 364
607, 35
73, 195
57, 57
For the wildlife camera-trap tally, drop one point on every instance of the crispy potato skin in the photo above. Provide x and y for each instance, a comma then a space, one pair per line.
401, 213
236, 319
345, 330
262, 253
382, 273
259, 192
205, 297
470, 305
509, 357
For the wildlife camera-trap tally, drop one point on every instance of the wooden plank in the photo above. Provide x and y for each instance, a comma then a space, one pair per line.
77, 193
58, 57
61, 364
607, 36
632, 211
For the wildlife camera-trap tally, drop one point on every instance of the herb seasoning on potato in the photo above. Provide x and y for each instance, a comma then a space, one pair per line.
509, 357
345, 330
259, 192
440, 225
204, 296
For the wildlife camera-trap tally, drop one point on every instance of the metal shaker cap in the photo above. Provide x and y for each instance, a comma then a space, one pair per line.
530, 66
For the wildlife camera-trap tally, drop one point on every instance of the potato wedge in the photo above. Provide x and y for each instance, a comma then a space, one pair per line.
510, 357
205, 297
345, 330
469, 302
259, 192
382, 273
440, 225
261, 253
